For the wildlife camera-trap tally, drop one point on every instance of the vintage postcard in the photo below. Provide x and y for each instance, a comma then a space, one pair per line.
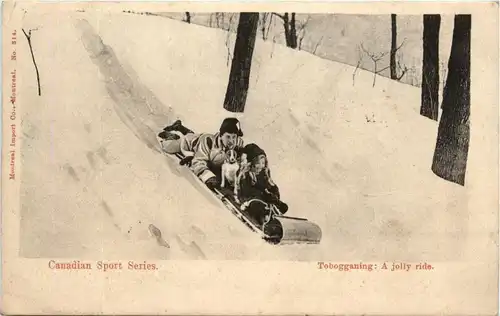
250, 158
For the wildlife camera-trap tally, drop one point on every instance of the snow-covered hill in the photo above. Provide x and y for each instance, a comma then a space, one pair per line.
351, 157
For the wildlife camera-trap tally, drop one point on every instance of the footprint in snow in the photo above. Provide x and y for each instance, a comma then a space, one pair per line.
156, 232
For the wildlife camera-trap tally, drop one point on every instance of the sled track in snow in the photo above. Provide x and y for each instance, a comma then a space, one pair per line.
137, 107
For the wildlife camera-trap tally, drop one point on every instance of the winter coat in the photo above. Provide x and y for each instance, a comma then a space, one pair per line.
208, 154
259, 186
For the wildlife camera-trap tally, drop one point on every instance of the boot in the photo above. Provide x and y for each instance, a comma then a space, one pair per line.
168, 136
282, 207
177, 126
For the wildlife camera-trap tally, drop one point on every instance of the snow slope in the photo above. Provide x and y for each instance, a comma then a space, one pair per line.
351, 157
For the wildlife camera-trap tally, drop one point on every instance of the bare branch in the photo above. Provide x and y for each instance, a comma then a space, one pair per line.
279, 15
304, 24
28, 37
317, 45
379, 71
272, 49
403, 73
381, 55
217, 18
231, 18
403, 69
375, 57
269, 26
360, 57
263, 29
401, 45
364, 49
302, 34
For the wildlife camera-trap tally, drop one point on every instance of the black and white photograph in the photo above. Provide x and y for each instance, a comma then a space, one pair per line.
139, 134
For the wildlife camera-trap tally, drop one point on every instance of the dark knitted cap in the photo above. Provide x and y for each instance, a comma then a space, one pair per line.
230, 125
252, 151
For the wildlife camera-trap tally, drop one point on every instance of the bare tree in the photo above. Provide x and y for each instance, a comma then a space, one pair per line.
217, 16
28, 37
271, 21
452, 145
239, 77
394, 62
232, 17
264, 27
394, 33
219, 19
403, 69
302, 33
317, 45
358, 64
377, 57
289, 24
430, 67
293, 32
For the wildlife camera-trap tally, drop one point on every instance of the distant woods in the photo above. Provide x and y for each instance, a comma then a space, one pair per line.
302, 32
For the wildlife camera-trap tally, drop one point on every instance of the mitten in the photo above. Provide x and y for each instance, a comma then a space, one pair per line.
271, 198
267, 174
212, 183
283, 207
186, 161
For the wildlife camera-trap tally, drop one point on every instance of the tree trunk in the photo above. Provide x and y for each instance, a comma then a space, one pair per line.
286, 25
452, 146
430, 67
293, 32
394, 33
188, 17
239, 76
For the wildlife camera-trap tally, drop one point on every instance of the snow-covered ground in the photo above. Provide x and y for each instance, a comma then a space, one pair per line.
353, 158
